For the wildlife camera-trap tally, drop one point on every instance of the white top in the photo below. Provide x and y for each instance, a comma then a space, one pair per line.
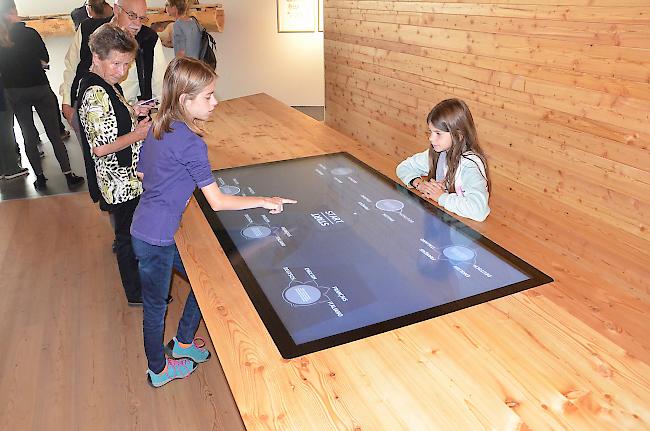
470, 199
130, 84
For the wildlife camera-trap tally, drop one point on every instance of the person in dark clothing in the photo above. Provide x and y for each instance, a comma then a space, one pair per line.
22, 54
90, 9
9, 158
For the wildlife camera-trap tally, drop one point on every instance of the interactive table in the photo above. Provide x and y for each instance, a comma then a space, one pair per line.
357, 256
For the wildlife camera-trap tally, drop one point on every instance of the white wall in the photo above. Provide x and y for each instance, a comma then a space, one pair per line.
253, 57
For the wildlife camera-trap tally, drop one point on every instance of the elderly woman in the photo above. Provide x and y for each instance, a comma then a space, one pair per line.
22, 54
111, 140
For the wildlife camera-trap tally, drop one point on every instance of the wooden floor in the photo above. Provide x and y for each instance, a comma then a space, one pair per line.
73, 357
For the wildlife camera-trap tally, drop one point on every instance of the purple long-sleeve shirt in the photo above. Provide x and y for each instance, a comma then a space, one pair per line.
173, 167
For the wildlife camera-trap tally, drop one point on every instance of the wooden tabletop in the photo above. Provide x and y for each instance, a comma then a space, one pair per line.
526, 361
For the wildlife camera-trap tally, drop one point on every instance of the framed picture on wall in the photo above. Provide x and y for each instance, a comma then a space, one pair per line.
295, 16
321, 15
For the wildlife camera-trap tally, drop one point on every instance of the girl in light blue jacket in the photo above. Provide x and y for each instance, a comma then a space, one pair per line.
453, 171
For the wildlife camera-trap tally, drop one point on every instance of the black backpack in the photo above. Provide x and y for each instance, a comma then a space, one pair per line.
208, 46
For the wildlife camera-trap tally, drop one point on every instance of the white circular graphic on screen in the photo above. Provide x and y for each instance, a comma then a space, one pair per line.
459, 253
392, 205
302, 294
342, 171
254, 232
229, 190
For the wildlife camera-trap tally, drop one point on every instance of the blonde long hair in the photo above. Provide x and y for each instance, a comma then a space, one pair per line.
5, 7
183, 76
453, 116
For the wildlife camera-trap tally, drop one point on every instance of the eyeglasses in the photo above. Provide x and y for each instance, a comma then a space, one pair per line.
133, 16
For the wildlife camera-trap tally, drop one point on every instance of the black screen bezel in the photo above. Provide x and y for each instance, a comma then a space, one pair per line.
282, 338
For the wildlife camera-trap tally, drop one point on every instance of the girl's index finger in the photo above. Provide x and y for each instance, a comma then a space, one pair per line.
289, 201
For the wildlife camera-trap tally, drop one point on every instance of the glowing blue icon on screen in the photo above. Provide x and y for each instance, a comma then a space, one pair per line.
229, 190
255, 232
392, 205
457, 253
342, 171
302, 294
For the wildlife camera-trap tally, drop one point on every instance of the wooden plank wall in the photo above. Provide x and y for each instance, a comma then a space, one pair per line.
559, 89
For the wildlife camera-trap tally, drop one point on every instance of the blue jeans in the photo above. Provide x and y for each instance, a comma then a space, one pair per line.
155, 265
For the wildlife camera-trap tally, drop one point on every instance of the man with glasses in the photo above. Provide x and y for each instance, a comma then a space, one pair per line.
146, 73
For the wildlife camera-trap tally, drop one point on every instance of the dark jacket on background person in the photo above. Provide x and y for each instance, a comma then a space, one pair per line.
79, 15
20, 64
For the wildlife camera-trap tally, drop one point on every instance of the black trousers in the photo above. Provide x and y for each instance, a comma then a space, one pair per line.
126, 261
40, 97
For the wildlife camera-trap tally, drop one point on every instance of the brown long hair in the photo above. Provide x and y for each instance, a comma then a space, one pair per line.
453, 116
5, 7
187, 76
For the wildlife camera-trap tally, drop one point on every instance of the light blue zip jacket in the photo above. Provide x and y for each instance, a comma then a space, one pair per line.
470, 199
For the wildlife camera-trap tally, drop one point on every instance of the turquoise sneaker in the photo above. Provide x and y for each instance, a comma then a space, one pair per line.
196, 351
175, 369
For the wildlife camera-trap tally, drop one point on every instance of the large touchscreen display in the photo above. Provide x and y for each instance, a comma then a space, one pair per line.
356, 256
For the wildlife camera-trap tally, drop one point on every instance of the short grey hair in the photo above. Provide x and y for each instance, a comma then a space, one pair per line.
109, 37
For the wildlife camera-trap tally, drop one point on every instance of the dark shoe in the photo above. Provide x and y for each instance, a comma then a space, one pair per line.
73, 180
20, 173
40, 183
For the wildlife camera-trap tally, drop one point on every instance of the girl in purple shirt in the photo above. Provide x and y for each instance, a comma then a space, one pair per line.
173, 162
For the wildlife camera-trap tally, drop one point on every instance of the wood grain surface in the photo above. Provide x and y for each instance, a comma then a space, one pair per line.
559, 91
74, 356
212, 17
568, 355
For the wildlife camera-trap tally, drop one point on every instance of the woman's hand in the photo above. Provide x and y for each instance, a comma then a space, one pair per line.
275, 204
142, 109
141, 130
